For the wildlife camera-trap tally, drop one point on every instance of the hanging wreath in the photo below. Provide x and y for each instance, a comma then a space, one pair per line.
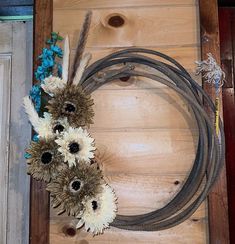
62, 151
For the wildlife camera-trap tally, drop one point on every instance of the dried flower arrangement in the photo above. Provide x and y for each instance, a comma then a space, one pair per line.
62, 152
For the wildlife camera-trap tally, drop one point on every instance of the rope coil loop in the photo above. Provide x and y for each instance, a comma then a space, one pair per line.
210, 147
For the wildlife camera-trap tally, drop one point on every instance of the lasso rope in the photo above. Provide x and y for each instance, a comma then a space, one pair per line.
210, 149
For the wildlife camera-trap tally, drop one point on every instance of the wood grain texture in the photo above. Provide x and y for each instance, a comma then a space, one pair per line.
159, 108
20, 132
217, 201
144, 132
93, 4
171, 25
229, 118
227, 34
39, 214
182, 54
5, 91
191, 231
154, 192
146, 151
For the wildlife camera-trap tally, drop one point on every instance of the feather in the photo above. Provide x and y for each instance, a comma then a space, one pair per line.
82, 66
30, 110
81, 44
65, 65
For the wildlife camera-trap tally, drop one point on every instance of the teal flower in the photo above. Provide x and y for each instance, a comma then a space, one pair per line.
57, 50
46, 53
35, 94
48, 62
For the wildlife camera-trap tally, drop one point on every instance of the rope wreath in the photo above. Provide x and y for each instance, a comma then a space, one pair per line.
62, 153
210, 148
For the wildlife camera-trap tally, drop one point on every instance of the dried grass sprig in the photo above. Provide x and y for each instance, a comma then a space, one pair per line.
81, 45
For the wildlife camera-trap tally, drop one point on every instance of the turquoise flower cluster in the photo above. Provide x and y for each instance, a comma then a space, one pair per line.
49, 66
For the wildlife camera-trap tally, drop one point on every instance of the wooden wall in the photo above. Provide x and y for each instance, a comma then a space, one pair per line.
144, 131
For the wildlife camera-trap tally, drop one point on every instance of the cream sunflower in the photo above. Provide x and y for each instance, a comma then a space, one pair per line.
43, 128
76, 144
52, 84
45, 161
71, 186
47, 127
74, 104
99, 211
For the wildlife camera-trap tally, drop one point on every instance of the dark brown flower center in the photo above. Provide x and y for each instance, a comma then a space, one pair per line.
69, 107
46, 157
76, 185
74, 147
58, 128
94, 205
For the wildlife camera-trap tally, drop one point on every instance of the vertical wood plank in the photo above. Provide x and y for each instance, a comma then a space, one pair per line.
20, 131
5, 69
40, 207
227, 34
6, 38
217, 200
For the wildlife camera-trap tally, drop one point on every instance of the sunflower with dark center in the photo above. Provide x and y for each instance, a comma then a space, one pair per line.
74, 104
70, 187
76, 144
99, 211
45, 161
58, 128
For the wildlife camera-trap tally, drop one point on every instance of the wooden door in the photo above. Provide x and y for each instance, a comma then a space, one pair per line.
15, 82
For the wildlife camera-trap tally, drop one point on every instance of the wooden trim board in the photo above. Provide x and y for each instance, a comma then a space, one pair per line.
217, 200
40, 207
227, 50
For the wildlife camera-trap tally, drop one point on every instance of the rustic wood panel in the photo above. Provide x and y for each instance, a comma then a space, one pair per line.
171, 25
5, 89
227, 50
93, 4
146, 151
183, 54
217, 201
39, 212
154, 190
148, 108
191, 231
144, 132
20, 131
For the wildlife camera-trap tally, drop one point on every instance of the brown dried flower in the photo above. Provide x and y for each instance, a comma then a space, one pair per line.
71, 186
45, 160
74, 104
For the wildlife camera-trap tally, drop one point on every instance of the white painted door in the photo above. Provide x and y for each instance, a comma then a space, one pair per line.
15, 131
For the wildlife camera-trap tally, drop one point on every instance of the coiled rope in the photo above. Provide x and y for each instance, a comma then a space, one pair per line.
210, 148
